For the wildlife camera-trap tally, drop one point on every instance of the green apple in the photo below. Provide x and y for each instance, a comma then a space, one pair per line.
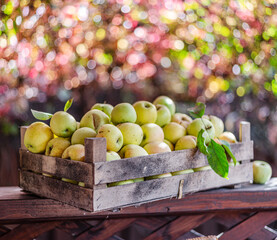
204, 168
164, 100
132, 151
56, 146
75, 152
151, 133
123, 112
146, 112
81, 134
182, 172
262, 172
94, 119
104, 107
36, 137
164, 175
63, 124
197, 124
111, 156
132, 133
186, 142
113, 137
120, 183
81, 184
156, 147
173, 131
182, 119
228, 137
217, 123
171, 146
138, 179
69, 181
78, 125
163, 115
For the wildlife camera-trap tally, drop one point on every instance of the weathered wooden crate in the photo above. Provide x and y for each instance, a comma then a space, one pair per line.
96, 172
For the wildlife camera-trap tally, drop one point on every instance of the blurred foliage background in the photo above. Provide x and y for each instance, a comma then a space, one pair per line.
222, 53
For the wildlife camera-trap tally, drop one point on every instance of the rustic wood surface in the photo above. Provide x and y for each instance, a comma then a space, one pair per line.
18, 207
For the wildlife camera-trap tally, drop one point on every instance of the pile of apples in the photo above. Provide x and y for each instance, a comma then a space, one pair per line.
130, 130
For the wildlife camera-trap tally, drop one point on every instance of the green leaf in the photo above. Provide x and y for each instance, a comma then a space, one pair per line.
217, 159
68, 104
228, 150
198, 110
201, 143
41, 115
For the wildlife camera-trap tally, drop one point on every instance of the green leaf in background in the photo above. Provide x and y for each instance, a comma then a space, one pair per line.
197, 111
217, 159
68, 104
201, 143
228, 150
41, 115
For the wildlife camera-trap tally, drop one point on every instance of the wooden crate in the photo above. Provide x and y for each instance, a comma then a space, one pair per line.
96, 172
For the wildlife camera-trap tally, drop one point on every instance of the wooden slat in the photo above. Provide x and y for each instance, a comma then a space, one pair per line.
250, 226
248, 198
107, 229
95, 150
3, 230
22, 133
154, 164
57, 189
58, 167
153, 223
244, 132
178, 227
30, 231
265, 233
74, 228
167, 187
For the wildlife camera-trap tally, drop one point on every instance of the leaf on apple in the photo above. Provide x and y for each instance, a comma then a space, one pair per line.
68, 104
226, 146
201, 143
198, 110
41, 115
217, 159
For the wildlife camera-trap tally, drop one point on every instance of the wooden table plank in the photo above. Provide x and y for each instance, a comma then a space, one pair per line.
265, 233
180, 226
250, 226
30, 231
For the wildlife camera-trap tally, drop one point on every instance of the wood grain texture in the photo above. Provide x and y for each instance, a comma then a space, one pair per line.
22, 133
249, 198
95, 150
244, 132
179, 226
57, 189
107, 229
30, 231
167, 187
74, 228
58, 167
130, 168
250, 226
264, 233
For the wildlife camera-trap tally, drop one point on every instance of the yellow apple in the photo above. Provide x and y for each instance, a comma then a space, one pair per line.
186, 142
104, 107
146, 112
164, 175
75, 152
36, 137
63, 124
81, 134
164, 100
81, 184
56, 146
78, 125
156, 147
120, 183
151, 133
197, 124
182, 172
262, 172
123, 112
228, 137
69, 181
132, 133
217, 123
94, 119
204, 168
171, 146
182, 119
173, 131
163, 115
111, 156
132, 151
138, 179
113, 137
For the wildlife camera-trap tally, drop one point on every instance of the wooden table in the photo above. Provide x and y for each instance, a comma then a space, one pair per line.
243, 213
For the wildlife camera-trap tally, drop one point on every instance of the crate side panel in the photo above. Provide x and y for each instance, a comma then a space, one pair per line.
147, 191
58, 167
130, 168
56, 189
